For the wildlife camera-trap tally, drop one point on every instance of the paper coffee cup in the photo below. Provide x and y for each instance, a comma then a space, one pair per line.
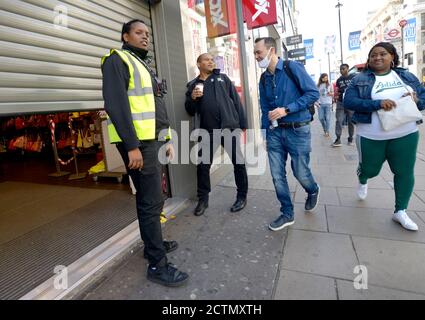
200, 86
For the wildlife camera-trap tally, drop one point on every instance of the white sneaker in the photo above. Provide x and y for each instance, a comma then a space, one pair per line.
362, 191
407, 223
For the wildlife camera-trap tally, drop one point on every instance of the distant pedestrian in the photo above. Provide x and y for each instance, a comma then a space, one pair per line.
343, 113
286, 119
378, 87
325, 103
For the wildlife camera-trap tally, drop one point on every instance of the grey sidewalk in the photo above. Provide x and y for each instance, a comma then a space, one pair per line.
235, 256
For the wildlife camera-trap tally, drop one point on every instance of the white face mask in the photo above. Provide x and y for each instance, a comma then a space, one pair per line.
264, 64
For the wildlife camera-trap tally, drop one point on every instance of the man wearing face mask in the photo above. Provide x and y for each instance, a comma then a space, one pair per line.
286, 92
138, 124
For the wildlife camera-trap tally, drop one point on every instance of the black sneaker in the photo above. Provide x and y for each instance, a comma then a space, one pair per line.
350, 142
169, 246
337, 143
167, 275
281, 222
312, 201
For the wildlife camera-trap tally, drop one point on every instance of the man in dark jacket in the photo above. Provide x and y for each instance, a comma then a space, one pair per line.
213, 97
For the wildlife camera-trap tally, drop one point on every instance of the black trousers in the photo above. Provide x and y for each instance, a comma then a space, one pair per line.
233, 149
149, 198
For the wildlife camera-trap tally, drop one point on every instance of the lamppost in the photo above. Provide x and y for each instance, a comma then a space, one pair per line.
403, 24
320, 65
339, 5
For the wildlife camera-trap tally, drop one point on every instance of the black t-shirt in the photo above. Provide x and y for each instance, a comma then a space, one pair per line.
209, 108
342, 84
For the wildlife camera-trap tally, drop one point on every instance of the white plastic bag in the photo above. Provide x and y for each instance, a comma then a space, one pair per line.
405, 111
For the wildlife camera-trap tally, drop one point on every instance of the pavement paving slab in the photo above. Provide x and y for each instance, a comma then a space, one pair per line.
228, 255
377, 199
393, 264
347, 291
301, 286
315, 252
373, 223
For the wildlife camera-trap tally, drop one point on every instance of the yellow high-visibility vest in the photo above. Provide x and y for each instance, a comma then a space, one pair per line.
140, 97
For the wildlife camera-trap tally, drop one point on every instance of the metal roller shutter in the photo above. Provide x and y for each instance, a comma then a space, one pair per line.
44, 68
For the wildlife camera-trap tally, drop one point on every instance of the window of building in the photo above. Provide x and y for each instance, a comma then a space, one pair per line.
224, 49
423, 37
422, 21
409, 57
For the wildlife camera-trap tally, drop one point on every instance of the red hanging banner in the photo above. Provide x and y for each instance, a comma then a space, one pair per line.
221, 17
259, 13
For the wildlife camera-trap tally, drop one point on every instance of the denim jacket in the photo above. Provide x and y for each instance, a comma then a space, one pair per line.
358, 96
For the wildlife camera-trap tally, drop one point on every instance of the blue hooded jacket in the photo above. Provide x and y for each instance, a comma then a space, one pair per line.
358, 96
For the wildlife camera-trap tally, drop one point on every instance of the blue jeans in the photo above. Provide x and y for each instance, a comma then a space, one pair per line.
295, 142
325, 113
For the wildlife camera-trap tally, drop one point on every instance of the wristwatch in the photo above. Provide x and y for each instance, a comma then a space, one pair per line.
287, 110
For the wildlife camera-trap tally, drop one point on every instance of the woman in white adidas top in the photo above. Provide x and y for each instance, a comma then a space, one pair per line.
379, 86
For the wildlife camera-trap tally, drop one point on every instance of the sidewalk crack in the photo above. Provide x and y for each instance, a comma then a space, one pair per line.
279, 267
326, 217
354, 248
336, 289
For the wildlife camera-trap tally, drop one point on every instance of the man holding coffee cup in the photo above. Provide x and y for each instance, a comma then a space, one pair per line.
213, 98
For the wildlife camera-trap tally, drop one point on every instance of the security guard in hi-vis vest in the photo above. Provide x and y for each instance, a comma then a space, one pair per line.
134, 101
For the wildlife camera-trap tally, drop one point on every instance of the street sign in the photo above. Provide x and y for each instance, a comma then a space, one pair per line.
410, 30
330, 44
403, 23
297, 53
290, 41
309, 48
354, 42
393, 33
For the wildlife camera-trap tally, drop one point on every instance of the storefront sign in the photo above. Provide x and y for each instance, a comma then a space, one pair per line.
259, 13
354, 40
221, 17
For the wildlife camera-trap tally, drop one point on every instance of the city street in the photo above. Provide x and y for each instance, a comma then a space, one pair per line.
89, 88
235, 256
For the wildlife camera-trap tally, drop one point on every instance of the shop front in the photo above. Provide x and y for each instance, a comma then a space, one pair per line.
61, 194
52, 211
50, 87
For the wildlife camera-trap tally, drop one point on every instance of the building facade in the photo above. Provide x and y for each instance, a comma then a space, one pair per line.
384, 25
